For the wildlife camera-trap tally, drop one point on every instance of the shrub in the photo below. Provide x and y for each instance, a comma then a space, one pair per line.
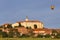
4, 34
10, 35
47, 35
58, 35
40, 36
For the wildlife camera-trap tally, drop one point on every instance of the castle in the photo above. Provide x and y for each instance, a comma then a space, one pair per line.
30, 23
28, 27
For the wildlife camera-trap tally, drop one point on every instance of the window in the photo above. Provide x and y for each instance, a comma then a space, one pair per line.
35, 26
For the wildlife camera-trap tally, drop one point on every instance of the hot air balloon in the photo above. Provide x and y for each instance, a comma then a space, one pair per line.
52, 5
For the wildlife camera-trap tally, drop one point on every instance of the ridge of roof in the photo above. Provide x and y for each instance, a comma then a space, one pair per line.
29, 21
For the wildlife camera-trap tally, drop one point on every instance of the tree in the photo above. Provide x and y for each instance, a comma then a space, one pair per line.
9, 26
4, 34
20, 25
10, 35
16, 33
54, 33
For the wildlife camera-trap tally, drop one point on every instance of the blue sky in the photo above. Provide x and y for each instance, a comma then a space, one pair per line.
12, 11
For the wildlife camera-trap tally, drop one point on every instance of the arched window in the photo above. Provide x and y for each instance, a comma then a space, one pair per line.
27, 27
35, 26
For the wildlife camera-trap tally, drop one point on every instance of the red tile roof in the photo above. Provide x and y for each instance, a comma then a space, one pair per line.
30, 21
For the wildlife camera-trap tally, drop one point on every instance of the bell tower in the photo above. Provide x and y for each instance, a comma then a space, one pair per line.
26, 18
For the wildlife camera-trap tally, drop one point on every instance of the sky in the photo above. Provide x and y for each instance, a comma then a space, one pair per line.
12, 11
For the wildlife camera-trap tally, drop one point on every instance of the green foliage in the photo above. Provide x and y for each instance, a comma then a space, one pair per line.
40, 36
47, 36
20, 25
58, 36
0, 33
10, 34
54, 31
4, 34
24, 36
27, 39
9, 26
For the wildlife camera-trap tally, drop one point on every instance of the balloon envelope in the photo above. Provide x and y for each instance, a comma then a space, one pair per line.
52, 7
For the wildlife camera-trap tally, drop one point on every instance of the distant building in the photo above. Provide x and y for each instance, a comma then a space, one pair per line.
42, 31
30, 23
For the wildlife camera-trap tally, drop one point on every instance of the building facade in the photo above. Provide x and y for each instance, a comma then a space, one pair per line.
30, 23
